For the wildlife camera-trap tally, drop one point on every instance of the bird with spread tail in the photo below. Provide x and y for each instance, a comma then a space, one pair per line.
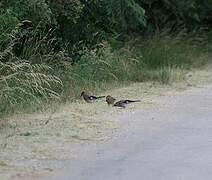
90, 98
123, 103
25, 24
110, 100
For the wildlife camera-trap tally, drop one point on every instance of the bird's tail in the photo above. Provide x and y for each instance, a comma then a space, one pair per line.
131, 101
99, 97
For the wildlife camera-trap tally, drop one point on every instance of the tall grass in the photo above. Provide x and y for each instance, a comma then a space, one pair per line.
23, 84
27, 81
42, 74
162, 58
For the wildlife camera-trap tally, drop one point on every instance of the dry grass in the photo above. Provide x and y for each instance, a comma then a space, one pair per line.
35, 142
22, 83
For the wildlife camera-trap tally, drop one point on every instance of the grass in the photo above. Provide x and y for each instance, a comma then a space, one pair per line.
22, 83
97, 70
40, 73
2, 163
163, 58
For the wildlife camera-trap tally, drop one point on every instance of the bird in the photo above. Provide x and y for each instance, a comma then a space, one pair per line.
25, 24
110, 100
90, 98
123, 103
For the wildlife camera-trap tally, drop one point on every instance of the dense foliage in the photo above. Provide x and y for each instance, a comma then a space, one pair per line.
90, 20
41, 40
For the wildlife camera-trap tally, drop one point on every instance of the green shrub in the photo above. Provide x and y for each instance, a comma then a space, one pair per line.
34, 10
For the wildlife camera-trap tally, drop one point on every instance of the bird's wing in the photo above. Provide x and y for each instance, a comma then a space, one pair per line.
120, 104
92, 97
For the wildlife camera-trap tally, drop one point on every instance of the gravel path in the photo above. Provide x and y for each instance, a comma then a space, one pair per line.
171, 140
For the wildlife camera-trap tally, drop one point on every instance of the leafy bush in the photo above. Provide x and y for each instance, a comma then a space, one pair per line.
176, 15
34, 10
96, 20
125, 15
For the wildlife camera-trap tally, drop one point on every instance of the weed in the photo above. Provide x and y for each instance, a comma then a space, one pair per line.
163, 58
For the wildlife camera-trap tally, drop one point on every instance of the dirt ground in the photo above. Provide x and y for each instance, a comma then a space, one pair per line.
35, 145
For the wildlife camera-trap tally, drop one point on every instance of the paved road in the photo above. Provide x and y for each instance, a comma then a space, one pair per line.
169, 141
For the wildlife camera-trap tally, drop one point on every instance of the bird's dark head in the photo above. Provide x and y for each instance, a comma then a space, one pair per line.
108, 96
82, 93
